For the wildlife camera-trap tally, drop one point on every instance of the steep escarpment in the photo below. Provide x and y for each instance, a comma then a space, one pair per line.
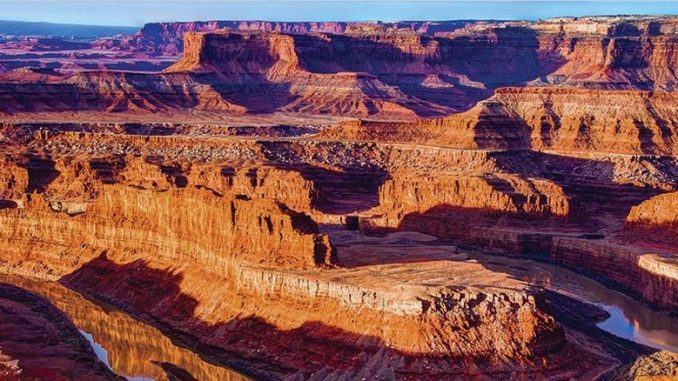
609, 53
587, 51
480, 56
544, 118
618, 122
84, 204
167, 38
237, 55
635, 269
408, 194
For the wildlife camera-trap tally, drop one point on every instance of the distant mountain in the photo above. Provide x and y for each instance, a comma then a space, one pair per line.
22, 28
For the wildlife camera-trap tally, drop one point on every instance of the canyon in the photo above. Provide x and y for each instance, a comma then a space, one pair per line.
288, 201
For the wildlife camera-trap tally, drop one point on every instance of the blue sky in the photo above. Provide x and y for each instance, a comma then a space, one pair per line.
136, 13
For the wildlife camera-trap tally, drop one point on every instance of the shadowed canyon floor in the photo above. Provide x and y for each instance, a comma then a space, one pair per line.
277, 203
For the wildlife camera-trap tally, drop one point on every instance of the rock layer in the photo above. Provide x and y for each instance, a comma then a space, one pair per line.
395, 71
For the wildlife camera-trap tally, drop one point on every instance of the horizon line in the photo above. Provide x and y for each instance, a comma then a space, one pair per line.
345, 21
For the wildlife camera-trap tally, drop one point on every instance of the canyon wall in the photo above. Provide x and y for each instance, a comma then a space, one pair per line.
167, 38
653, 277
405, 195
387, 72
85, 206
544, 118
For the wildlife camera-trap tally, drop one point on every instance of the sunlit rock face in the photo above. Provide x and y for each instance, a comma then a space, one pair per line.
84, 205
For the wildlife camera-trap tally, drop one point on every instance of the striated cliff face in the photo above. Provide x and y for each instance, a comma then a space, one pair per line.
594, 44
168, 38
409, 194
473, 57
545, 118
559, 119
108, 215
236, 55
618, 62
14, 183
653, 277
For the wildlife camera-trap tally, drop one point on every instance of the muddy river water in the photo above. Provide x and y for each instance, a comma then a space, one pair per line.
140, 352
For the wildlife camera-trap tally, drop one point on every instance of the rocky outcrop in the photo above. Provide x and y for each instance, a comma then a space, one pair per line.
655, 220
407, 194
14, 184
239, 56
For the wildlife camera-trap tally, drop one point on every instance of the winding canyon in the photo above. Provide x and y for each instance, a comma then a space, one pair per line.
463, 200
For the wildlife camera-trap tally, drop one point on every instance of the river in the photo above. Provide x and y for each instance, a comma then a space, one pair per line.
129, 347
629, 318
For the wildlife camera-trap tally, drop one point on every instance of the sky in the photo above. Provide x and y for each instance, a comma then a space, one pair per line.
139, 12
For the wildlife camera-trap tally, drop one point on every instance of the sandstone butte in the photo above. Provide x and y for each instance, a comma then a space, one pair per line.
311, 200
